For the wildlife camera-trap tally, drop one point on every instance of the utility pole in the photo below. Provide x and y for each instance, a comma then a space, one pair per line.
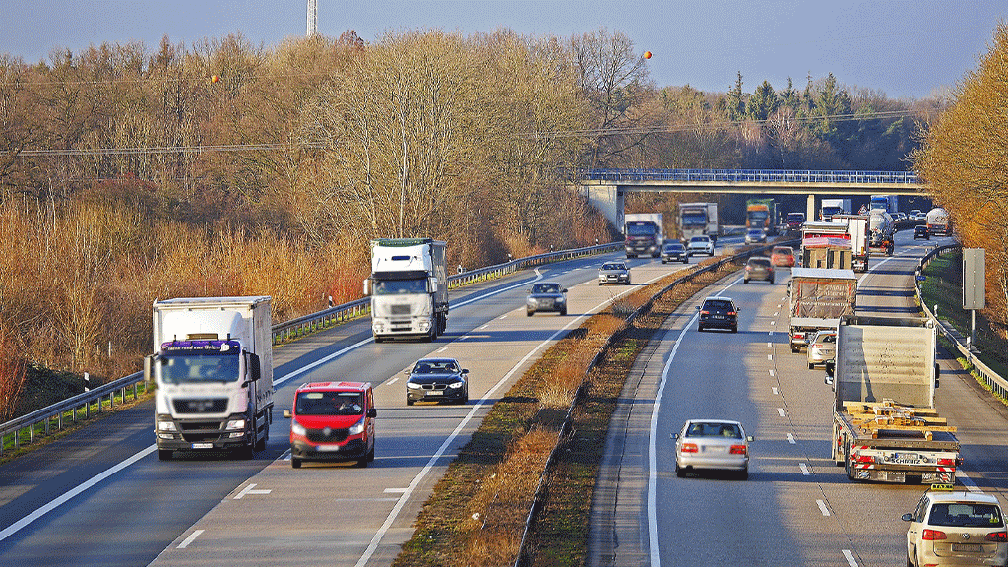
312, 17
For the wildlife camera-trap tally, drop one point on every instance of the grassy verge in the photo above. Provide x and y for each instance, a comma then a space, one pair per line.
943, 287
477, 512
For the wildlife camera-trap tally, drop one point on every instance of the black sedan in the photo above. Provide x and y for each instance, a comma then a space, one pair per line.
674, 252
437, 380
718, 312
921, 231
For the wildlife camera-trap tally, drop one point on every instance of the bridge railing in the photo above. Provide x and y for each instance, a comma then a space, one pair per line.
742, 175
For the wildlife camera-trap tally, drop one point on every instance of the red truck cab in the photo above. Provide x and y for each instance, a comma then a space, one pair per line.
332, 421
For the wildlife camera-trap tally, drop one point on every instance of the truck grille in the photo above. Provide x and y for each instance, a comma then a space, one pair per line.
200, 406
327, 435
196, 431
399, 309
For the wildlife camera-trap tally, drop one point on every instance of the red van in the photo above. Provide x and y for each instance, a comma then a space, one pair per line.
332, 421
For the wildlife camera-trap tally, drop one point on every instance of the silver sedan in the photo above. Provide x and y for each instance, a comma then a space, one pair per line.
712, 444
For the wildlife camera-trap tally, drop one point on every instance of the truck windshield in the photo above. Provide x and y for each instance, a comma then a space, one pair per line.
694, 218
640, 229
398, 287
189, 368
329, 403
758, 217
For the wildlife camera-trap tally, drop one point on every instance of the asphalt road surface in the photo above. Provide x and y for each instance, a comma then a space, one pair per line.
797, 507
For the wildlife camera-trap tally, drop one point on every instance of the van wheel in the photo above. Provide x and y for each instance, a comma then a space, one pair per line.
165, 454
362, 463
295, 463
370, 455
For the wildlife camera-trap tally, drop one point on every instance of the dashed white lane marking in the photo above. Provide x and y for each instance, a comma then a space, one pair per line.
392, 381
395, 490
442, 349
502, 317
773, 322
804, 469
769, 345
781, 412
484, 326
185, 543
790, 439
823, 508
769, 357
776, 314
776, 392
251, 489
968, 483
850, 558
772, 373
779, 305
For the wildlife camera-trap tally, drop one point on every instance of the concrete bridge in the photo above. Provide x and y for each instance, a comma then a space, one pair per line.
606, 188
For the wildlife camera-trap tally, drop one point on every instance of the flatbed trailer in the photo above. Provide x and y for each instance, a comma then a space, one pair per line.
885, 425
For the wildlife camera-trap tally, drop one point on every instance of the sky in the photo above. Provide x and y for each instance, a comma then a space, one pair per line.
905, 49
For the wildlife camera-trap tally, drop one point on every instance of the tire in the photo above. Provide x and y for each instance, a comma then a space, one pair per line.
295, 463
165, 454
734, 329
745, 281
409, 402
563, 311
811, 366
362, 462
773, 280
261, 444
699, 328
529, 313
679, 472
744, 475
685, 260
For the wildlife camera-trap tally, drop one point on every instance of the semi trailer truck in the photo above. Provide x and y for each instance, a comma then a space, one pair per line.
408, 288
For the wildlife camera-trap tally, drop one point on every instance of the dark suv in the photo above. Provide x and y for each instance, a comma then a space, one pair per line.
758, 268
718, 312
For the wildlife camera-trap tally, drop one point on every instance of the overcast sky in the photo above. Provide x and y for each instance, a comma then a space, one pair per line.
902, 48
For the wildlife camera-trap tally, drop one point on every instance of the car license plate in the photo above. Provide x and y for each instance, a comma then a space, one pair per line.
328, 448
716, 450
434, 393
202, 445
974, 547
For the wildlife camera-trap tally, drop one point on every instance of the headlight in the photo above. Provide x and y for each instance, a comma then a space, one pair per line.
531, 301
413, 385
235, 424
166, 426
357, 428
456, 385
297, 428
561, 299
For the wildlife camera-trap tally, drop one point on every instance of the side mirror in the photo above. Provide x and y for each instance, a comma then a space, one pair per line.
367, 287
255, 367
433, 284
828, 380
674, 435
372, 412
287, 413
750, 438
149, 367
465, 371
698, 308
907, 517
937, 371
565, 290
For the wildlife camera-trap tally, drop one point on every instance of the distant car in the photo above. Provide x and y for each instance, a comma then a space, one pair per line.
758, 268
900, 219
956, 527
613, 272
546, 296
700, 245
916, 215
822, 350
718, 312
794, 221
437, 380
674, 252
712, 444
921, 231
332, 421
755, 236
782, 256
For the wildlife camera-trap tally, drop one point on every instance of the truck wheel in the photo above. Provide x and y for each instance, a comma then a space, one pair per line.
165, 454
295, 463
261, 444
370, 455
811, 365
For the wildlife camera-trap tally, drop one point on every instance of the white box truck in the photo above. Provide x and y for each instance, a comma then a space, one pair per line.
644, 234
213, 366
698, 219
408, 288
885, 426
832, 207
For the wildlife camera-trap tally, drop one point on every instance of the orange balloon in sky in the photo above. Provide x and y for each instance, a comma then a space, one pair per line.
647, 55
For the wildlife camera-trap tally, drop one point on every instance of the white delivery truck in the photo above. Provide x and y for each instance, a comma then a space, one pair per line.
698, 219
832, 207
885, 425
857, 231
408, 288
213, 365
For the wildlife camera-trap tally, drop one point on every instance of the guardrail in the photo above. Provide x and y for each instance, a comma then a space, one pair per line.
759, 175
994, 381
40, 422
537, 499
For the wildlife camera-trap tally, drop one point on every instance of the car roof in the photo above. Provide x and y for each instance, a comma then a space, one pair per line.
961, 496
437, 360
718, 297
714, 420
334, 386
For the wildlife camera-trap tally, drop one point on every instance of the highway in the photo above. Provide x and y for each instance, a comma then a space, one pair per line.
797, 507
99, 496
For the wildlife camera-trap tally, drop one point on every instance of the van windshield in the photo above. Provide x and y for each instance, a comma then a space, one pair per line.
329, 403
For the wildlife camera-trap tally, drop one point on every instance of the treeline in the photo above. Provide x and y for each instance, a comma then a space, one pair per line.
965, 161
129, 174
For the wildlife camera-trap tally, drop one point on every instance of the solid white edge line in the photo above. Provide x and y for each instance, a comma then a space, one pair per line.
185, 543
63, 498
458, 429
850, 558
822, 507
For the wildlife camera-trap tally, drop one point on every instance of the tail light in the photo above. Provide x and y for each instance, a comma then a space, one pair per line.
748, 268
690, 448
930, 535
946, 462
737, 450
705, 312
732, 313
999, 537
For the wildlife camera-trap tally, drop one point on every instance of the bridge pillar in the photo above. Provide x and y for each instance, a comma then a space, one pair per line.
810, 209
608, 199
